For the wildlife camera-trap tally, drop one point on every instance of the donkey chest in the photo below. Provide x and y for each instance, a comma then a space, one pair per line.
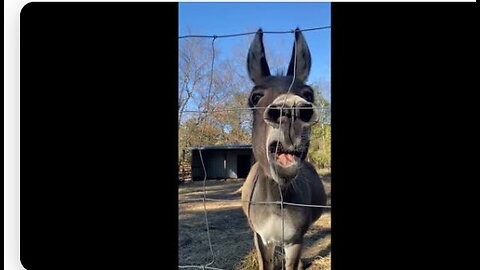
271, 229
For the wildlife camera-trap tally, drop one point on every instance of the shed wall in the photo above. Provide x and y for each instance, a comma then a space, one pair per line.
214, 163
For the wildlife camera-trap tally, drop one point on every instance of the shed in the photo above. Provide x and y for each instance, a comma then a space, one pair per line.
221, 161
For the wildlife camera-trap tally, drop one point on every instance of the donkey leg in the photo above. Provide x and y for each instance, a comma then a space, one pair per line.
265, 253
292, 257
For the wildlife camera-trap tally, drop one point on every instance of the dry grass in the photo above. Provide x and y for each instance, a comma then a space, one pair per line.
231, 237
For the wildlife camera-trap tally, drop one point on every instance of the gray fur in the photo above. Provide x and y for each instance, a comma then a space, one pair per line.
298, 182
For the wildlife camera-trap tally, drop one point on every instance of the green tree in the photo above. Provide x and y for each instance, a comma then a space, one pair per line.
320, 137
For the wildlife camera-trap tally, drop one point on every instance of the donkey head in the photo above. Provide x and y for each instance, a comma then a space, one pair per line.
281, 117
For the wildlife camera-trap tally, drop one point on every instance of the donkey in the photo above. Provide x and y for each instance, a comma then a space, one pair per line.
280, 138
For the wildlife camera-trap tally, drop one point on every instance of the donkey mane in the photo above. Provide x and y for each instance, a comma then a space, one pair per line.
280, 72
282, 82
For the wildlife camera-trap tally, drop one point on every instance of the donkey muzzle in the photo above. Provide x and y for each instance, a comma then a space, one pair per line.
290, 109
289, 118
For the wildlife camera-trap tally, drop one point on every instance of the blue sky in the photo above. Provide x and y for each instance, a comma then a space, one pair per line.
229, 18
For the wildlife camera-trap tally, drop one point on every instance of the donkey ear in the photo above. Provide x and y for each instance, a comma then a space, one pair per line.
303, 64
256, 61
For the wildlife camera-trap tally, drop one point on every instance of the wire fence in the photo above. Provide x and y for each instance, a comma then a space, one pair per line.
208, 110
252, 33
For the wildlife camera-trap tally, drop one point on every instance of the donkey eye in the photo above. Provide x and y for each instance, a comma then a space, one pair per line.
254, 98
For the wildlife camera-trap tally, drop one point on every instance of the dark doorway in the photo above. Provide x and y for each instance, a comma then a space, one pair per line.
243, 165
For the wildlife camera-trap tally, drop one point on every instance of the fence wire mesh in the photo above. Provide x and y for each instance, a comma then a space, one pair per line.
207, 111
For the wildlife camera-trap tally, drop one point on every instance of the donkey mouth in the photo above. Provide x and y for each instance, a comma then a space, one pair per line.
283, 156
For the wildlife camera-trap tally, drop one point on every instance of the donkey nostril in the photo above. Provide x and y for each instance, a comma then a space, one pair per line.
305, 112
273, 113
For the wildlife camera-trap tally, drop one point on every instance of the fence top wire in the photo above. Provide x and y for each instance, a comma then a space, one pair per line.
251, 33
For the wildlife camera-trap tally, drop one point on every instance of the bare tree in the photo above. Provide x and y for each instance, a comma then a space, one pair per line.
230, 87
194, 62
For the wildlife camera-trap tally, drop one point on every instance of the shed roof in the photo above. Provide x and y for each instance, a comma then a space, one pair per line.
221, 147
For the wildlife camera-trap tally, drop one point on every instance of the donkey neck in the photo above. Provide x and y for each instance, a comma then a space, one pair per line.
269, 189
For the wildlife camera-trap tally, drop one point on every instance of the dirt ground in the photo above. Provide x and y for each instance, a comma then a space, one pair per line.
230, 235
